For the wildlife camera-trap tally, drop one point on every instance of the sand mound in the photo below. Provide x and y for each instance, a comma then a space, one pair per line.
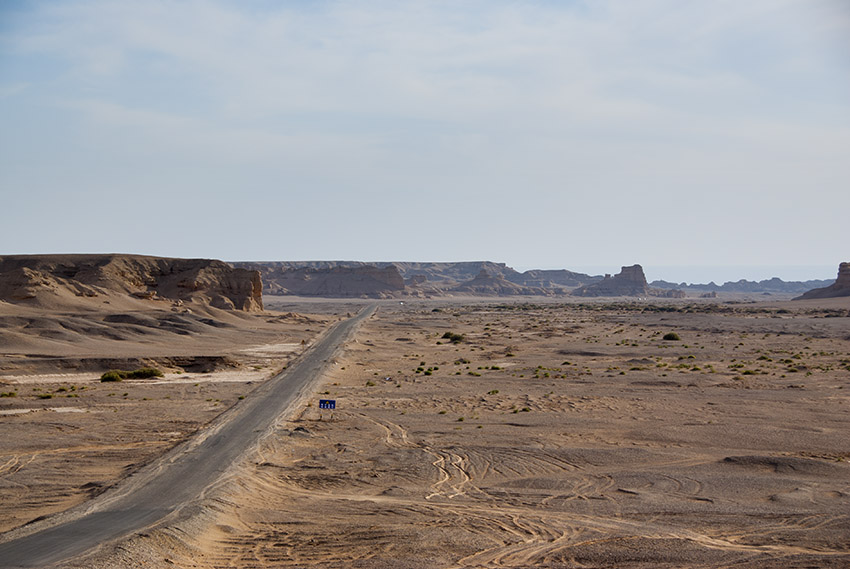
784, 464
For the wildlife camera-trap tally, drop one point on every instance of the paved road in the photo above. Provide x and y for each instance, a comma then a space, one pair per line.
184, 473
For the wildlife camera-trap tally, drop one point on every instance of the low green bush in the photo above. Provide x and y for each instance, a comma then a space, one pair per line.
144, 373
453, 337
114, 375
141, 373
672, 336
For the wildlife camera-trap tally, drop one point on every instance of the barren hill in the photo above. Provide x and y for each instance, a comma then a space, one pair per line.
486, 284
67, 280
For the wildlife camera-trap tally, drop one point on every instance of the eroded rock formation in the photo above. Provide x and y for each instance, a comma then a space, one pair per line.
59, 279
494, 285
340, 281
841, 286
630, 281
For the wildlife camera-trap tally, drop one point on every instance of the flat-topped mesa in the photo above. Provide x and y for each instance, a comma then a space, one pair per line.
633, 274
841, 286
367, 281
630, 281
57, 280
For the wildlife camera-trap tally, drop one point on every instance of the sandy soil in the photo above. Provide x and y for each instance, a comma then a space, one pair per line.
65, 436
552, 435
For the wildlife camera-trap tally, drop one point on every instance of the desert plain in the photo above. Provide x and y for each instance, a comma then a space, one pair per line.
467, 432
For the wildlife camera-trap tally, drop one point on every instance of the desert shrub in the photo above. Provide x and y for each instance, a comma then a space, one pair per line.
671, 336
144, 373
141, 373
113, 375
453, 337
8, 394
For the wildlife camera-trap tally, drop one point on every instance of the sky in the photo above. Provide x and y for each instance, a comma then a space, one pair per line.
707, 139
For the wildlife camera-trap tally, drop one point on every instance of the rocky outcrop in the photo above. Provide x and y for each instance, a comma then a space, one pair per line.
450, 274
841, 286
415, 280
58, 279
360, 280
772, 286
427, 277
552, 279
630, 281
486, 284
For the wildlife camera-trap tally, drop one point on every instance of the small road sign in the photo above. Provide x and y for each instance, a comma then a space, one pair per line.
327, 403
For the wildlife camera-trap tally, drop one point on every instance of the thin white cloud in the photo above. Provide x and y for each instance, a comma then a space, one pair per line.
10, 89
565, 105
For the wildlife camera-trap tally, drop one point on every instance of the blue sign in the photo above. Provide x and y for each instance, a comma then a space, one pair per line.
327, 403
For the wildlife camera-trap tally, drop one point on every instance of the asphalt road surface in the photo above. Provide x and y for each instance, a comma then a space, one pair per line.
184, 473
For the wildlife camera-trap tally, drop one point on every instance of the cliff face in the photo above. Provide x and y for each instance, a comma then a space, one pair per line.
63, 279
494, 285
630, 281
552, 279
338, 281
841, 286
325, 278
453, 274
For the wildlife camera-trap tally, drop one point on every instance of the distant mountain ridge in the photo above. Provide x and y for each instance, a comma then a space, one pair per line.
400, 279
71, 279
773, 286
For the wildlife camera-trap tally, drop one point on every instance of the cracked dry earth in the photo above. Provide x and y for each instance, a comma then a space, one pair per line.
551, 436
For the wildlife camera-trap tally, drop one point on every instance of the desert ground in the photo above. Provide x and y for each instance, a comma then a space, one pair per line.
471, 433
66, 437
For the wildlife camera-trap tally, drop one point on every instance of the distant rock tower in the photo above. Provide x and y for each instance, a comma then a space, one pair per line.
630, 281
841, 286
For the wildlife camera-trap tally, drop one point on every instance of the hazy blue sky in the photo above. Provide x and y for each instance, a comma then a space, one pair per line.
536, 133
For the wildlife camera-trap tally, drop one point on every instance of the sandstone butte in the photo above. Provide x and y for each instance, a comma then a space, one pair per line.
841, 286
630, 281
